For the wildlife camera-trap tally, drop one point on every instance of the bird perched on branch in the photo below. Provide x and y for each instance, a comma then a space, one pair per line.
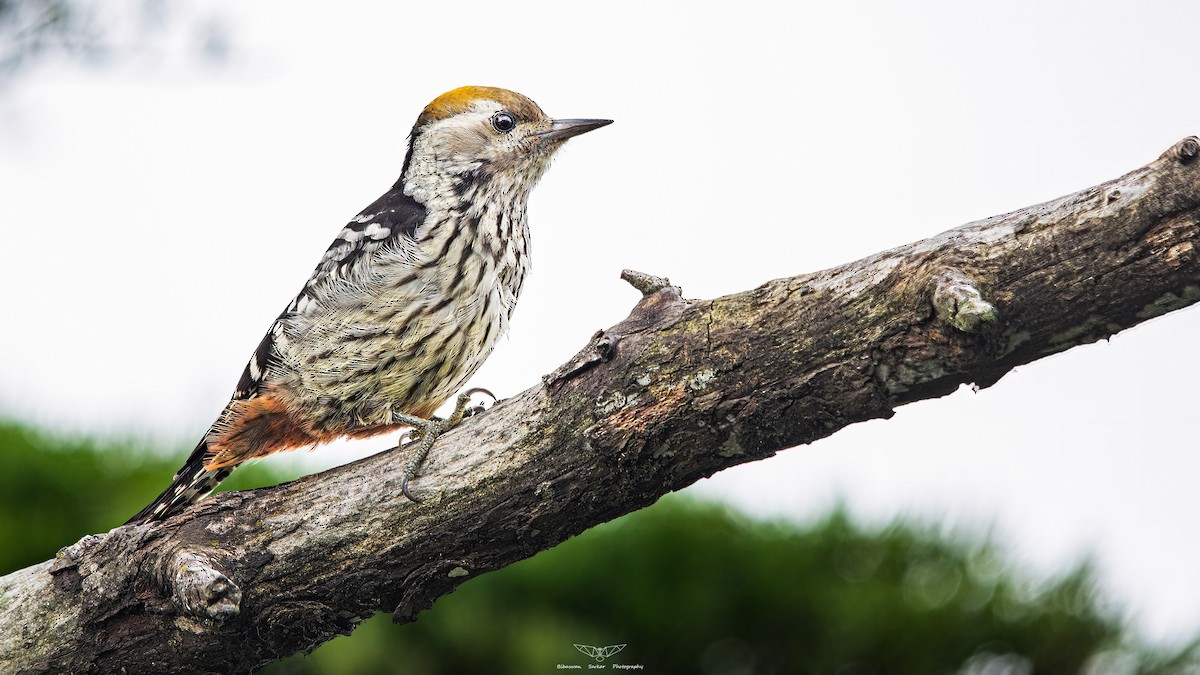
407, 302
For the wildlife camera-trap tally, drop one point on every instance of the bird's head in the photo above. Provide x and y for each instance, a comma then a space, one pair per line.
485, 133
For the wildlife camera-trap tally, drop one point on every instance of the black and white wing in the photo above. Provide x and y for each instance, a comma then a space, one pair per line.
393, 216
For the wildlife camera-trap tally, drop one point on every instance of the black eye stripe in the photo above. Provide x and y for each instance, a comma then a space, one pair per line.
503, 121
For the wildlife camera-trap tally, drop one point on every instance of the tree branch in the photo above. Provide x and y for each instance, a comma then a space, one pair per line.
677, 391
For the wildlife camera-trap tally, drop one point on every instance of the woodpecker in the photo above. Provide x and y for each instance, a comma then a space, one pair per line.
406, 303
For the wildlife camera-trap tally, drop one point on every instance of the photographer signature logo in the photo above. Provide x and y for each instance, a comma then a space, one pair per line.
599, 653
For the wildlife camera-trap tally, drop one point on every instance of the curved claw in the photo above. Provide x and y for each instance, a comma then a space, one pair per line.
465, 398
481, 390
404, 489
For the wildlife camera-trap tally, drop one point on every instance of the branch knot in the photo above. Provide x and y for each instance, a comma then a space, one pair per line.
200, 590
1187, 149
959, 303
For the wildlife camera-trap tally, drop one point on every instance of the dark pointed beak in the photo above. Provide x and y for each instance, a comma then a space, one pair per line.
561, 130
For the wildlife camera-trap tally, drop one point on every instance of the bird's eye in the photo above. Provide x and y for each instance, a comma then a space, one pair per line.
503, 122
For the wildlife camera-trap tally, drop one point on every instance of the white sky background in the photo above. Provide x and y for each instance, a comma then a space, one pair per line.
159, 213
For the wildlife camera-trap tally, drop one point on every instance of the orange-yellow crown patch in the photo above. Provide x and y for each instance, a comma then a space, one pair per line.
460, 100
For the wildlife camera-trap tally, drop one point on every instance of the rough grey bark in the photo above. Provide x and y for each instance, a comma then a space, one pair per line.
679, 390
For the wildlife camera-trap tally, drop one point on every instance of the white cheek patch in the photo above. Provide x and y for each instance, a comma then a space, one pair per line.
464, 142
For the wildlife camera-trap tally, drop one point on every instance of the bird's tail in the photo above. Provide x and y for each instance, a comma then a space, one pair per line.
192, 483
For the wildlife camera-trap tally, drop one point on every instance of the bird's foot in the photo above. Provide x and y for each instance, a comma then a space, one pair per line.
426, 431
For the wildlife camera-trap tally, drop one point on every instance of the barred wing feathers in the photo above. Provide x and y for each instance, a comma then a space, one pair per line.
384, 223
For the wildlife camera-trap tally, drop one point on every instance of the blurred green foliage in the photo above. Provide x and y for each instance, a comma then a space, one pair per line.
686, 587
55, 490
